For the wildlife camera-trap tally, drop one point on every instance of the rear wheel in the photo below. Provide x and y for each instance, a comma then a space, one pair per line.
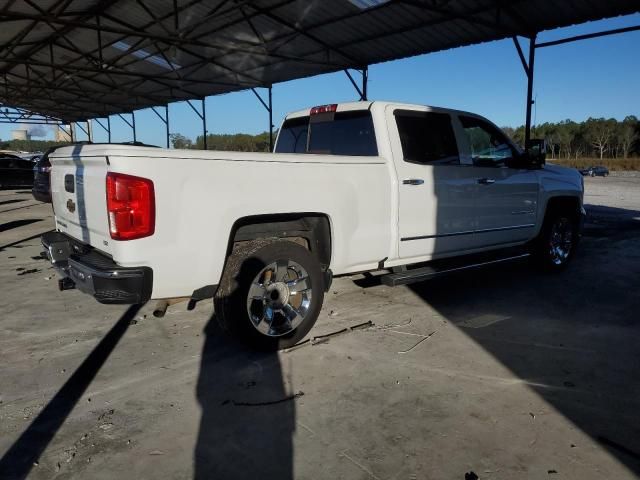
558, 240
270, 294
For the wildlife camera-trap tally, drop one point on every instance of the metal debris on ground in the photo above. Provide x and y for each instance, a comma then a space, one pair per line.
424, 337
394, 325
264, 404
318, 339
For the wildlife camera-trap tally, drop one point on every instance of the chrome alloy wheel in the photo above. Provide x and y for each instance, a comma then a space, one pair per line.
279, 298
560, 240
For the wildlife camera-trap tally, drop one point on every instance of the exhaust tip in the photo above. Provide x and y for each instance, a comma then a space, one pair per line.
161, 309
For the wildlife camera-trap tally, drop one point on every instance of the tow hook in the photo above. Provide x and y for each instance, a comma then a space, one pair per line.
66, 284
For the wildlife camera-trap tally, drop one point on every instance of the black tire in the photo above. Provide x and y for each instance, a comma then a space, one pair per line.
558, 239
247, 261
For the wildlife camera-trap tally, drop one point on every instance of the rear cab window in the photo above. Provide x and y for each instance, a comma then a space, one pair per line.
329, 133
427, 137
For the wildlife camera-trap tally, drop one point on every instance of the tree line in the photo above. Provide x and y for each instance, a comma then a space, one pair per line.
29, 145
237, 142
595, 137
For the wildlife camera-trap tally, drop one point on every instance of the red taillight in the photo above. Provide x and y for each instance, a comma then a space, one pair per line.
131, 206
324, 109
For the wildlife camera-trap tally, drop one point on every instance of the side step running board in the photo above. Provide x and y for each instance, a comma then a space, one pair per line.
424, 273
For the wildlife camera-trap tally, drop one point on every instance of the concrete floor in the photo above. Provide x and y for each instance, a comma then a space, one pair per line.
504, 372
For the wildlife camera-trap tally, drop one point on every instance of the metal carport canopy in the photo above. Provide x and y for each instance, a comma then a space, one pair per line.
79, 59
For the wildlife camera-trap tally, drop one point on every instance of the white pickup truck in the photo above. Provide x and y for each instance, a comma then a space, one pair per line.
407, 190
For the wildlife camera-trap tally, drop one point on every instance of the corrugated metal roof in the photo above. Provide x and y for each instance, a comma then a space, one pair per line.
79, 59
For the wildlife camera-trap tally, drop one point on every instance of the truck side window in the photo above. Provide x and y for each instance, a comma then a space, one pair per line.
293, 136
426, 137
489, 146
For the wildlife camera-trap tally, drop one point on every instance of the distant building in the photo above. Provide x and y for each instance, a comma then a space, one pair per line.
20, 134
63, 135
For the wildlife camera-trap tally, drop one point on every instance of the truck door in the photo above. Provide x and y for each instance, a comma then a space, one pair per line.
435, 190
506, 198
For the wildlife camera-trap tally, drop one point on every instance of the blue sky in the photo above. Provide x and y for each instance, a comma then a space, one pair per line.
597, 78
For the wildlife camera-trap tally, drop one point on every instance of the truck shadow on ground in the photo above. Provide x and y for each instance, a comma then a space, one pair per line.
248, 412
18, 461
248, 417
572, 337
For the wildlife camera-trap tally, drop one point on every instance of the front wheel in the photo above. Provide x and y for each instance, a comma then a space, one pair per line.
270, 294
557, 241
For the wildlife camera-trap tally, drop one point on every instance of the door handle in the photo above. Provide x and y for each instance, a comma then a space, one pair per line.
486, 181
412, 181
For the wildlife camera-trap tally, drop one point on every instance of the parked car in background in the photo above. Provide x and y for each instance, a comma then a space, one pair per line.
597, 171
15, 171
41, 190
32, 157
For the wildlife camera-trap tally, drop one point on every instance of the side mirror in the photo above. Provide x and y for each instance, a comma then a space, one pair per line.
536, 151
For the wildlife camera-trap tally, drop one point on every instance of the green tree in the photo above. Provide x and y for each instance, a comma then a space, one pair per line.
598, 132
238, 142
180, 141
628, 134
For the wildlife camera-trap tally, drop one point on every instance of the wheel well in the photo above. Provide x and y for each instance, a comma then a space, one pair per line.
564, 203
311, 230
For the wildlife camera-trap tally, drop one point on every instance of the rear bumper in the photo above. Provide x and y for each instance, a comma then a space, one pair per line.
92, 272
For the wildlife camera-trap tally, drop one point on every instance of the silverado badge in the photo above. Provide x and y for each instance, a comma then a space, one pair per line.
71, 206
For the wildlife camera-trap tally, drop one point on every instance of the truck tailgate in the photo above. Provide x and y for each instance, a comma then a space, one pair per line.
78, 189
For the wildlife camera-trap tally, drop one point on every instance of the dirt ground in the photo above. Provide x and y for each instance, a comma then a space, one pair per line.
500, 373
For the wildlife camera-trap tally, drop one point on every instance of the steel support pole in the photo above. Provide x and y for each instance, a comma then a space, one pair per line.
79, 125
362, 90
365, 81
268, 106
166, 123
532, 56
204, 124
133, 126
108, 129
270, 120
68, 133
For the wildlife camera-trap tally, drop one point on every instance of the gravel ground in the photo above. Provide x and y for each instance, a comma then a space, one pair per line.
613, 191
504, 372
